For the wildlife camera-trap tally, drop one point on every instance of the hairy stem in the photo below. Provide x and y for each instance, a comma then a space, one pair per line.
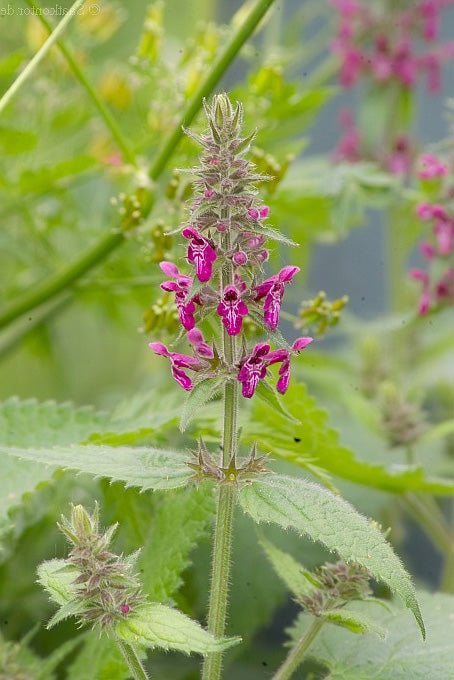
108, 243
97, 101
133, 660
220, 576
297, 653
12, 338
39, 56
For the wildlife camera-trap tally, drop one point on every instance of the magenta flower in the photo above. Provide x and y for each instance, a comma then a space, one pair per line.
444, 232
253, 367
259, 213
348, 147
427, 211
405, 64
201, 348
178, 362
424, 300
431, 167
399, 160
427, 250
239, 258
445, 287
232, 309
429, 10
239, 283
180, 287
353, 61
251, 246
201, 253
273, 290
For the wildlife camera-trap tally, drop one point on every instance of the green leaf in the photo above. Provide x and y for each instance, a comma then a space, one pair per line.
402, 656
288, 569
313, 442
180, 520
18, 661
30, 423
67, 610
156, 625
354, 622
273, 234
99, 658
57, 577
267, 394
10, 64
201, 393
437, 431
46, 177
16, 141
57, 656
324, 517
145, 468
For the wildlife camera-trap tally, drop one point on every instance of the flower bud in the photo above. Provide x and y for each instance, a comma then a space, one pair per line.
239, 258
82, 522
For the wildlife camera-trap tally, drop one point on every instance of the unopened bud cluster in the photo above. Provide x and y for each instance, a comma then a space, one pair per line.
321, 313
335, 585
226, 248
403, 422
107, 586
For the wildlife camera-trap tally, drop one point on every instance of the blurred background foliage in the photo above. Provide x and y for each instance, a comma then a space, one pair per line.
66, 182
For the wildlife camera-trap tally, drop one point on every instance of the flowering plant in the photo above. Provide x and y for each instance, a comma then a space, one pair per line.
220, 490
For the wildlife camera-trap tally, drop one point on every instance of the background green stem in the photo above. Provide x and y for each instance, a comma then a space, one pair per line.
53, 285
133, 660
97, 101
90, 259
396, 256
298, 652
426, 513
206, 87
39, 56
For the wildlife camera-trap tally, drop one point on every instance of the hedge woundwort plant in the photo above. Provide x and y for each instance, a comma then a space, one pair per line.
227, 252
226, 248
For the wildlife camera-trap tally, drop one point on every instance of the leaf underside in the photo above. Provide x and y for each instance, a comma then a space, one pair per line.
145, 468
